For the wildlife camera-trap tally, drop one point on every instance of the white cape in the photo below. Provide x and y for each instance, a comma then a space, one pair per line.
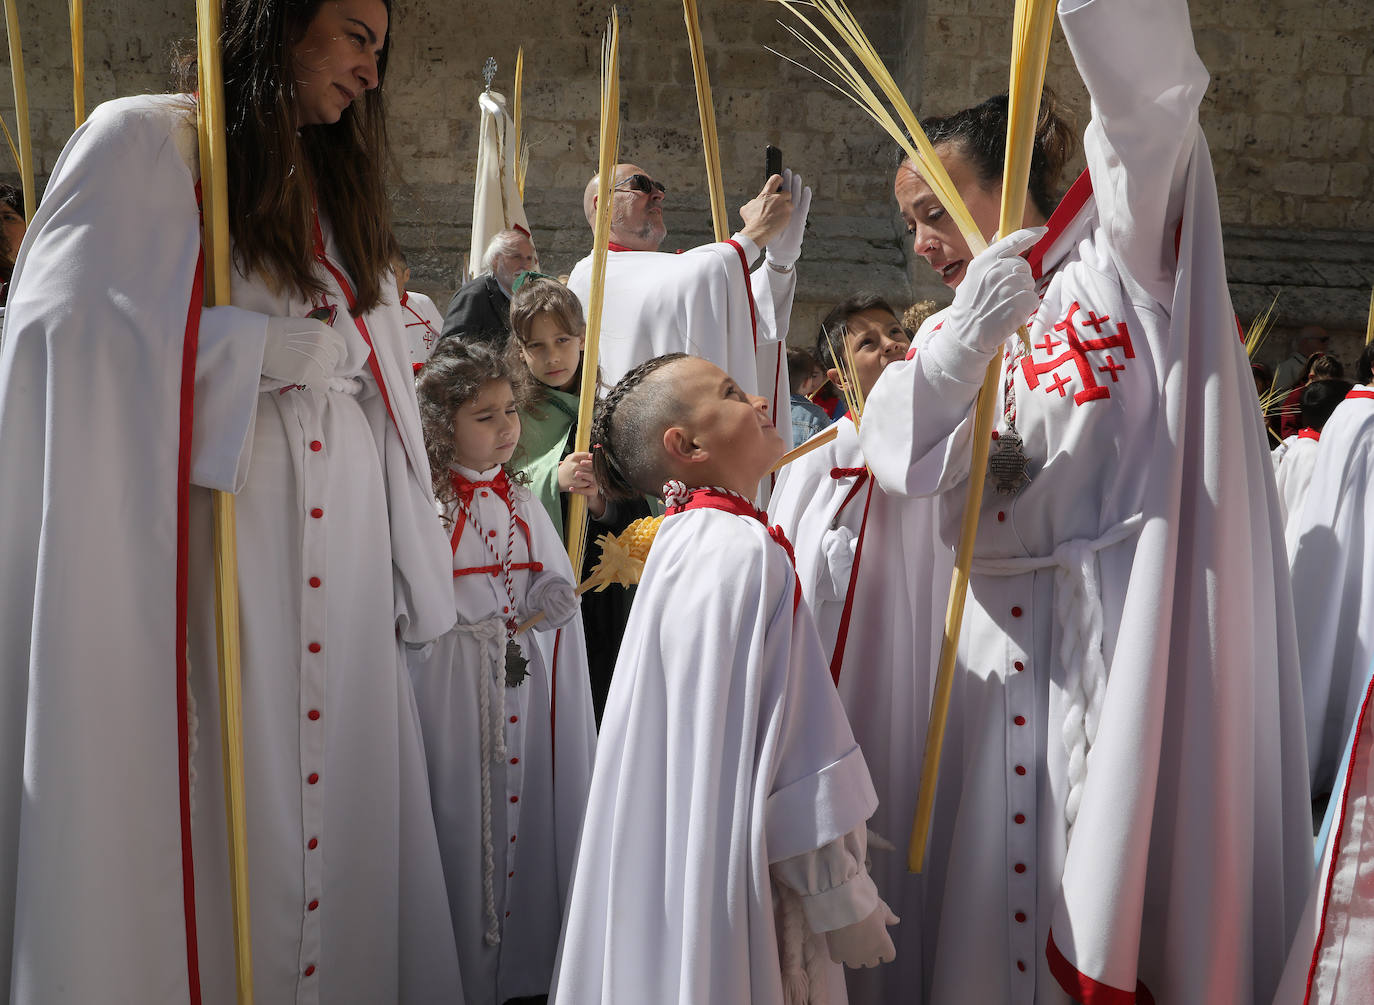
705, 302
723, 749
112, 840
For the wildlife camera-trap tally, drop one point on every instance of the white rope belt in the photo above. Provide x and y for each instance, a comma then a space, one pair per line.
491, 635
352, 386
1078, 616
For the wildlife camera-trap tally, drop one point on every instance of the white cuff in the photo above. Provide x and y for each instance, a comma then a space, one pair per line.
751, 250
950, 357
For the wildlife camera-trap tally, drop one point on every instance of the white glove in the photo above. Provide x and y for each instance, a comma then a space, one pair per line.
785, 249
837, 546
302, 351
553, 595
864, 943
997, 295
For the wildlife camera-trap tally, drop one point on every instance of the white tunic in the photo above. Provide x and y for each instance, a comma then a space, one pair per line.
1132, 601
423, 325
507, 854
1331, 554
723, 751
704, 302
1293, 470
111, 805
878, 556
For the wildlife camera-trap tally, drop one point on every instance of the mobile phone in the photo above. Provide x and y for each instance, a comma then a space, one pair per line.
772, 161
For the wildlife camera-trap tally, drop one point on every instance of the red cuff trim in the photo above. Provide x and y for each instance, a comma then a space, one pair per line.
1082, 988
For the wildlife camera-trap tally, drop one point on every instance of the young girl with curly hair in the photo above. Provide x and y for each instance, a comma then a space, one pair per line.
499, 707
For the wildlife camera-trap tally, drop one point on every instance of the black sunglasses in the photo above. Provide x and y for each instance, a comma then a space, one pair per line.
641, 183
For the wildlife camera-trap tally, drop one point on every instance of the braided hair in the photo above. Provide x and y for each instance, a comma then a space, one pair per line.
627, 457
454, 374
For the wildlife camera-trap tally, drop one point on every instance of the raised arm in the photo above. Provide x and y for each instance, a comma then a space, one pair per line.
1145, 96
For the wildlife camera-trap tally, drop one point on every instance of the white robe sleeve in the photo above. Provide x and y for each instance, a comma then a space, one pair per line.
832, 882
918, 420
1145, 99
773, 293
228, 367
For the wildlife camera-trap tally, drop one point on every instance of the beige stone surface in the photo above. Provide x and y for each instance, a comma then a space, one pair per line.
1290, 116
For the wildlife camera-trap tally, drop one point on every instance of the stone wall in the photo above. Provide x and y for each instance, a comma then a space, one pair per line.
1289, 115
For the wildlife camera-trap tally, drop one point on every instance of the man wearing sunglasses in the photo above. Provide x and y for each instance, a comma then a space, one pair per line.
717, 301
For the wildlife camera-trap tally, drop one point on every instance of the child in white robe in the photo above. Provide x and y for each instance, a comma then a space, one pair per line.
506, 715
725, 824
1331, 555
874, 573
1295, 457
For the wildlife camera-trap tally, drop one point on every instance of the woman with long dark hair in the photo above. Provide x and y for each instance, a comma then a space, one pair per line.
1122, 812
122, 402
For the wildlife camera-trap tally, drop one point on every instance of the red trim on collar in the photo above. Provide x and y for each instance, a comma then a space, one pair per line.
1360, 392
612, 246
710, 498
1087, 991
1308, 433
1074, 200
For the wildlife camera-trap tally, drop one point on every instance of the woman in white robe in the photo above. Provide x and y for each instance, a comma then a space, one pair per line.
122, 403
1122, 812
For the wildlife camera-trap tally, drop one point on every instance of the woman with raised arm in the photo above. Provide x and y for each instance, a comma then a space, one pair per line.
1122, 812
122, 403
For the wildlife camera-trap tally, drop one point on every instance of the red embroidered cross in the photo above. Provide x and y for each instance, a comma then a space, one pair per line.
1096, 322
1112, 368
1060, 382
1077, 354
1050, 342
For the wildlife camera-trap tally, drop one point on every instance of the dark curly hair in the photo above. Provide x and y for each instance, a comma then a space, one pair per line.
981, 135
453, 375
625, 429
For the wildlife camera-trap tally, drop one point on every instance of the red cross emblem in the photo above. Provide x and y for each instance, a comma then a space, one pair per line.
1077, 351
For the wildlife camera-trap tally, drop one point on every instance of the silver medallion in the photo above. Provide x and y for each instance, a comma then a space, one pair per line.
515, 665
1007, 464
